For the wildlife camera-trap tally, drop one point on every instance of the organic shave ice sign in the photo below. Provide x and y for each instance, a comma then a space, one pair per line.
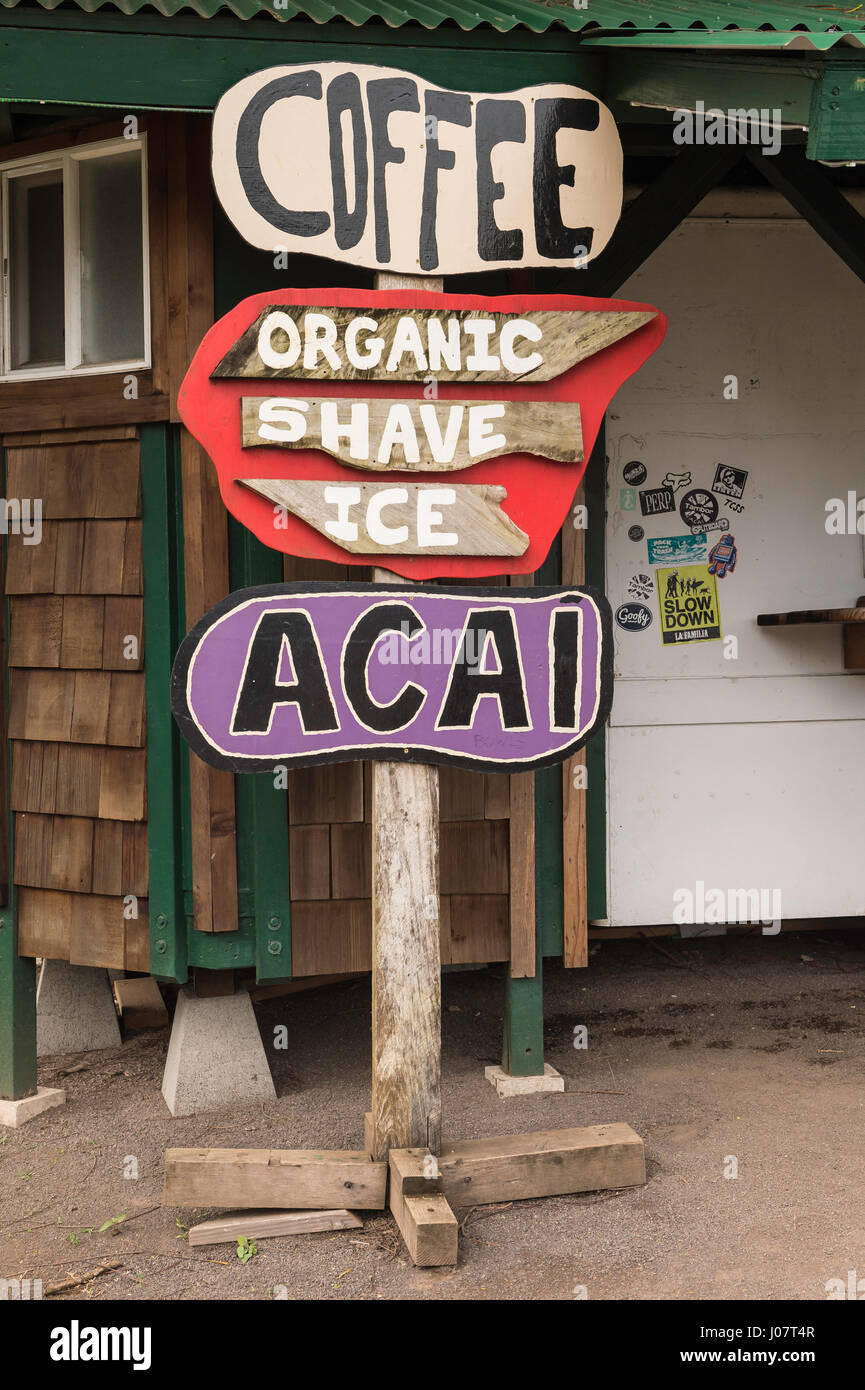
298, 674
434, 434
379, 168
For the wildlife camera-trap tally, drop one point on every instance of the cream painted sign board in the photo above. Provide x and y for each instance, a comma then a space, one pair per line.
381, 169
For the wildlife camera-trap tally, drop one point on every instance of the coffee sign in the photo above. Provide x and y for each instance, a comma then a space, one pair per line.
435, 434
297, 674
379, 168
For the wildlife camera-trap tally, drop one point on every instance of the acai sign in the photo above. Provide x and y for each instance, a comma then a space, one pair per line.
496, 679
377, 167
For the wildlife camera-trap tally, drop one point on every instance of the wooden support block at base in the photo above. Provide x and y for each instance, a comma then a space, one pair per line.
426, 1223
140, 1003
546, 1164
258, 1225
281, 1178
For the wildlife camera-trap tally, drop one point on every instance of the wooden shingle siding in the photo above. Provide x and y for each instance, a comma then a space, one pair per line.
77, 700
329, 813
79, 780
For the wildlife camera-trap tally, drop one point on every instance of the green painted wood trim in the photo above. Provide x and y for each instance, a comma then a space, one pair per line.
260, 802
668, 81
147, 63
159, 506
17, 973
596, 748
836, 125
523, 1024
549, 853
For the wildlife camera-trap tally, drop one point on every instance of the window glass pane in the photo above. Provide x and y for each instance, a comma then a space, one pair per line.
36, 269
112, 288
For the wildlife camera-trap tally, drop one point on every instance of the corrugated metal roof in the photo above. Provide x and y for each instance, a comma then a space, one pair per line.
632, 23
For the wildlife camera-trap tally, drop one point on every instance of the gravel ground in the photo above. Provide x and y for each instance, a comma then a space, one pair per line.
748, 1049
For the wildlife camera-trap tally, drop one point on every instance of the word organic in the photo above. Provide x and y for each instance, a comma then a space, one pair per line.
296, 674
375, 166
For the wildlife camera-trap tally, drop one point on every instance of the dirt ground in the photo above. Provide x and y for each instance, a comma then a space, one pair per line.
747, 1049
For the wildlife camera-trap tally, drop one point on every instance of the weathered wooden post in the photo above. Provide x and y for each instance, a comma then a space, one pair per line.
406, 951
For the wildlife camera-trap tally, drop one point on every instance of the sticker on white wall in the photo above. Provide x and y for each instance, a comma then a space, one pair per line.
688, 605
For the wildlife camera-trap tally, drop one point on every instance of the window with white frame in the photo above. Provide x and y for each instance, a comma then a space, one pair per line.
75, 288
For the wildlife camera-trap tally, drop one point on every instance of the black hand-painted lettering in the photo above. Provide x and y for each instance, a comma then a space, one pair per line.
469, 682
495, 123
385, 96
344, 94
262, 691
567, 625
300, 84
383, 719
552, 114
455, 108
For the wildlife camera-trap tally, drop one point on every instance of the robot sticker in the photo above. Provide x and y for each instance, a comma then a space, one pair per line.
723, 556
688, 605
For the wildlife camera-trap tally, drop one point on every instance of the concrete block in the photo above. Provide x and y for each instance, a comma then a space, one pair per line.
15, 1113
524, 1085
74, 1010
215, 1055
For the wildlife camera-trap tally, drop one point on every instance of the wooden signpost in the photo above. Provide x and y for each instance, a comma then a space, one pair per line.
481, 413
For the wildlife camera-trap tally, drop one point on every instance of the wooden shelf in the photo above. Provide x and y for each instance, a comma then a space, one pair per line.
852, 620
812, 615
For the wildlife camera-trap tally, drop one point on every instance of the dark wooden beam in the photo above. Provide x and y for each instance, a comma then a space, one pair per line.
652, 216
816, 198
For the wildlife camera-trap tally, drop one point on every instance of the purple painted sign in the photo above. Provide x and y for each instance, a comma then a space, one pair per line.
297, 674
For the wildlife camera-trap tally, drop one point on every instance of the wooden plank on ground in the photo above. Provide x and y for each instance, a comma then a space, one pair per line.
259, 1225
423, 1215
282, 1178
544, 1164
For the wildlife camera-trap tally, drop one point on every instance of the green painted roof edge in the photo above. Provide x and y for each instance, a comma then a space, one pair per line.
602, 23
